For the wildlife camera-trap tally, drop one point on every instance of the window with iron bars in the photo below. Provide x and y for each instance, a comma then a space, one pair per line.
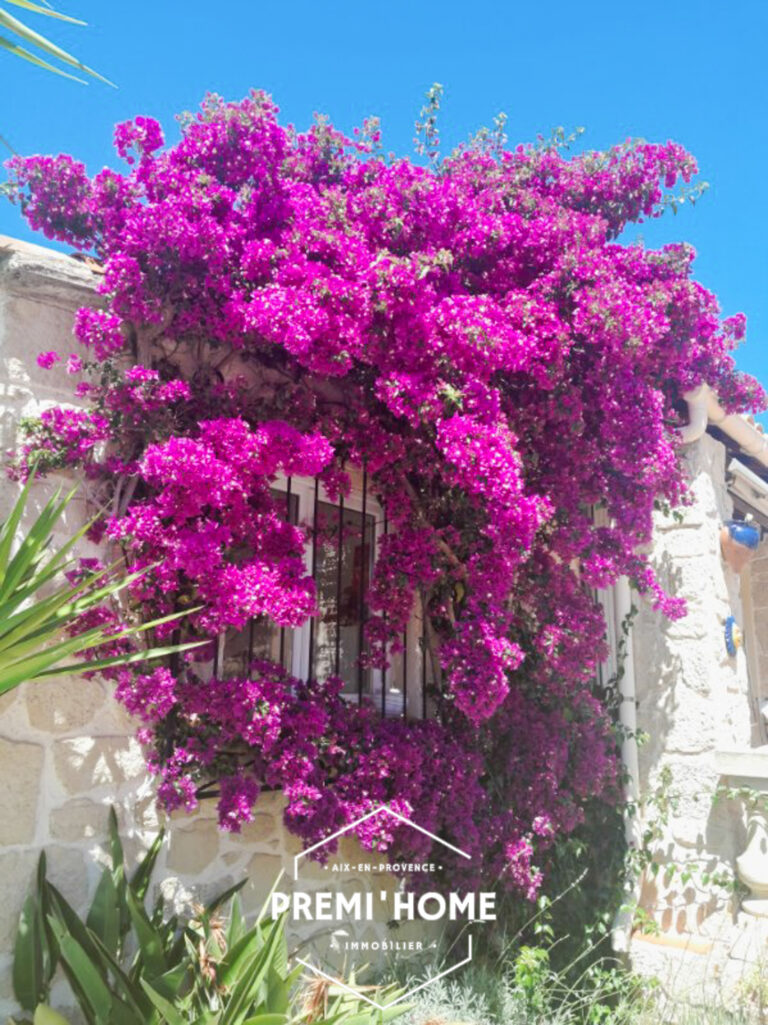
343, 538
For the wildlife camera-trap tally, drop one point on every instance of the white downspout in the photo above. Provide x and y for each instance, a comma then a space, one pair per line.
622, 923
704, 409
747, 436
698, 414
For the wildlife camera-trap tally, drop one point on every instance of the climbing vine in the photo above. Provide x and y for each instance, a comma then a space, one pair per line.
475, 338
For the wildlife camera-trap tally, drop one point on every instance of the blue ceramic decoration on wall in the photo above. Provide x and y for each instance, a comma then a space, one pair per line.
739, 540
733, 636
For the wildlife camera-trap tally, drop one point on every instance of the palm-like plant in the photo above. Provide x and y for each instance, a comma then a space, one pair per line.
34, 642
21, 37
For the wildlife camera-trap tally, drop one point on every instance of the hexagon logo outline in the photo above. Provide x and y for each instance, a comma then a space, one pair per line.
364, 818
341, 832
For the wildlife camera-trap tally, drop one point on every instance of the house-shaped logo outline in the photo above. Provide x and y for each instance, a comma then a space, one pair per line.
334, 836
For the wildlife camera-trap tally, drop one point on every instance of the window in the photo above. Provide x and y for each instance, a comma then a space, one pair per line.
343, 540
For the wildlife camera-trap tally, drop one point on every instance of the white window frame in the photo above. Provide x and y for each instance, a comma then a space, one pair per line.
410, 660
304, 490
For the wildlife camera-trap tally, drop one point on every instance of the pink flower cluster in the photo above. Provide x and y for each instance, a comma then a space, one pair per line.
476, 339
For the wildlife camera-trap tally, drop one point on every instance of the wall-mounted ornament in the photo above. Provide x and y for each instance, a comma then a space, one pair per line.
738, 542
733, 636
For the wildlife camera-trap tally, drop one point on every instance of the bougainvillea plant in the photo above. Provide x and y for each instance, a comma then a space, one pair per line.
474, 335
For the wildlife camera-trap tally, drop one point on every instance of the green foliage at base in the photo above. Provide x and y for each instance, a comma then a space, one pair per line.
128, 966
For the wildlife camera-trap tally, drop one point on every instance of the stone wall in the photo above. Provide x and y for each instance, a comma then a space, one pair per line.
66, 748
693, 700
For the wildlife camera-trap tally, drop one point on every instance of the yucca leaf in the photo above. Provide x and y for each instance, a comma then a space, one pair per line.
103, 918
142, 875
82, 967
64, 606
150, 655
32, 644
169, 984
45, 1015
11, 524
222, 898
115, 843
252, 977
28, 980
236, 927
63, 912
134, 996
42, 618
36, 539
268, 1019
33, 666
48, 11
35, 39
150, 940
19, 51
165, 1007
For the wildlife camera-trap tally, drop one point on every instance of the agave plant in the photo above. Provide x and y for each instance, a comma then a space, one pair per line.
25, 35
33, 638
128, 966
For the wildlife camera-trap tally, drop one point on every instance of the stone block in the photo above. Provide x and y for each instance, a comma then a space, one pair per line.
60, 706
262, 872
191, 850
21, 767
79, 820
692, 728
261, 830
83, 763
68, 871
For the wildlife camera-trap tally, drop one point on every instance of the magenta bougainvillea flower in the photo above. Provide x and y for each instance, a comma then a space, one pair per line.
473, 335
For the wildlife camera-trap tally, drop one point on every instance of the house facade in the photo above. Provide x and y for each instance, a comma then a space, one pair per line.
69, 749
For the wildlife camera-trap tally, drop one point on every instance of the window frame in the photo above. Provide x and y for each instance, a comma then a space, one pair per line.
409, 698
308, 492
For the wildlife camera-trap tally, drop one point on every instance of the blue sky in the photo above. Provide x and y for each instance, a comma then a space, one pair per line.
692, 72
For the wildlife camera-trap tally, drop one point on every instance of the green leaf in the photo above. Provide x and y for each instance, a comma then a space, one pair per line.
165, 1007
19, 51
223, 897
236, 927
84, 970
104, 916
136, 1002
33, 38
142, 876
33, 644
253, 976
48, 11
45, 1015
11, 524
150, 940
168, 985
33, 545
68, 919
28, 983
239, 955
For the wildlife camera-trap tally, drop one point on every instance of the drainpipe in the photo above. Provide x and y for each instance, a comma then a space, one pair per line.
747, 436
698, 414
704, 409
622, 922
